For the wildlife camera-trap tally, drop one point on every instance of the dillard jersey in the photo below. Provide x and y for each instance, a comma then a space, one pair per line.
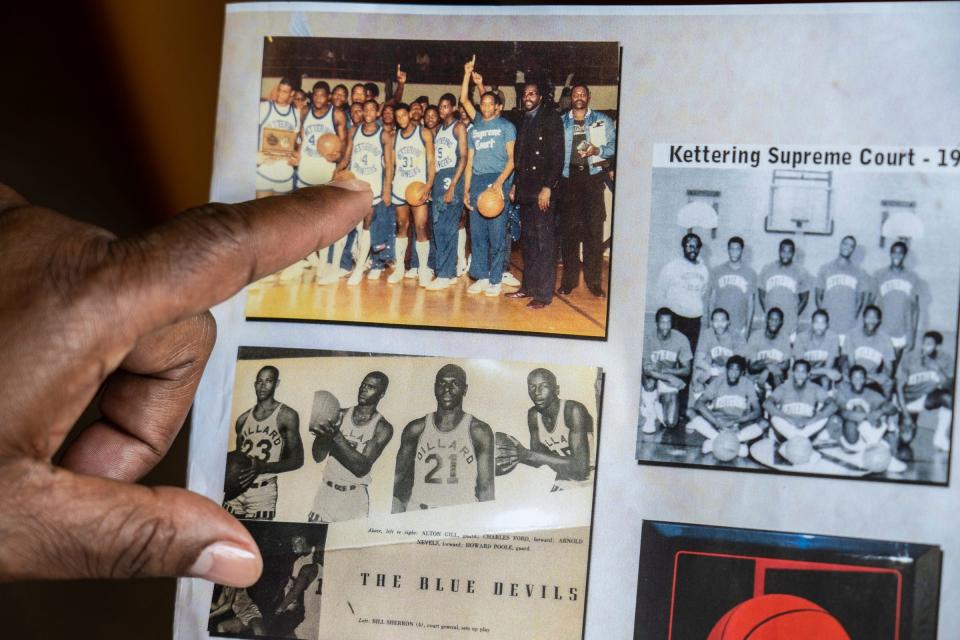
411, 155
358, 435
272, 117
366, 159
314, 169
445, 468
557, 441
261, 439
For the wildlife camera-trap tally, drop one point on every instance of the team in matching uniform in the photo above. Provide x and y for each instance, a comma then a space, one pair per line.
445, 457
858, 368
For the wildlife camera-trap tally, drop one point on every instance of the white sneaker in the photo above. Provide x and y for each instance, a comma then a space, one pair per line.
424, 276
345, 272
355, 277
411, 273
707, 447
492, 291
744, 451
374, 274
329, 275
439, 284
396, 276
649, 425
896, 465
941, 440
478, 286
509, 280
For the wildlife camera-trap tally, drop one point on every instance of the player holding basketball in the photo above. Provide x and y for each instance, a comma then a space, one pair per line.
769, 353
561, 433
350, 447
729, 403
863, 415
369, 157
445, 457
871, 347
925, 382
322, 118
275, 173
898, 297
450, 145
269, 434
733, 286
716, 346
783, 284
797, 407
842, 289
414, 162
820, 346
489, 166
666, 366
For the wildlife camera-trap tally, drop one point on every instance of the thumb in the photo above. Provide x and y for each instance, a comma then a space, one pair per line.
60, 525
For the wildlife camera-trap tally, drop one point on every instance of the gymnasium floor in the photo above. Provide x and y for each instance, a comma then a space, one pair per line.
677, 447
376, 302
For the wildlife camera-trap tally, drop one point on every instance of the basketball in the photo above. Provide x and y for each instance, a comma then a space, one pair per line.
797, 450
777, 616
726, 446
346, 174
326, 408
876, 458
237, 464
416, 193
506, 453
490, 203
328, 146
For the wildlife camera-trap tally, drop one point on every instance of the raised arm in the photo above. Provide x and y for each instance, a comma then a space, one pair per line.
465, 102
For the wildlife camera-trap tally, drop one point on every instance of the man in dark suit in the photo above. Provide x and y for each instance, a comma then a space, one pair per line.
539, 162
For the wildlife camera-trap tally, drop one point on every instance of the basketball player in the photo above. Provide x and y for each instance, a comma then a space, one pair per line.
925, 382
797, 407
729, 403
233, 612
820, 346
733, 286
769, 353
666, 366
387, 119
489, 166
290, 612
431, 119
716, 346
463, 263
275, 173
339, 96
320, 119
842, 289
269, 434
369, 155
784, 284
871, 348
414, 162
350, 447
358, 94
450, 145
898, 297
561, 433
445, 457
301, 102
863, 415
682, 286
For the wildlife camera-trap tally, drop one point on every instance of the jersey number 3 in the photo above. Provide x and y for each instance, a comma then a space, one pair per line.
435, 475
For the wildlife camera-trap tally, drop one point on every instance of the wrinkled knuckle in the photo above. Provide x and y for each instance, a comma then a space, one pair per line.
143, 547
220, 223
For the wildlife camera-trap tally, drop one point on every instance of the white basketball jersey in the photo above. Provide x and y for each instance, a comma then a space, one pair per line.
446, 147
411, 166
298, 565
272, 116
358, 435
558, 442
366, 159
261, 439
315, 169
445, 469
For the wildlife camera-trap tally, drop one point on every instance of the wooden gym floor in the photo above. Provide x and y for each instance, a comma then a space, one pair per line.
579, 314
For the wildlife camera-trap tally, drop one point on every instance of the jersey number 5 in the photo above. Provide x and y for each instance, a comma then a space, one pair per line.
437, 461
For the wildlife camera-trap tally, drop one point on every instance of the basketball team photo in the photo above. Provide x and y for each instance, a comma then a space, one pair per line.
801, 322
493, 171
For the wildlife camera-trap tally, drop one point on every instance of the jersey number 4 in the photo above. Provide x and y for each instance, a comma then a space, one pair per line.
435, 475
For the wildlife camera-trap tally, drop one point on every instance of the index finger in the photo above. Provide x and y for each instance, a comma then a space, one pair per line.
205, 255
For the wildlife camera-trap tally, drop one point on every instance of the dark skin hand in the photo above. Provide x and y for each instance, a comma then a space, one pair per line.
80, 310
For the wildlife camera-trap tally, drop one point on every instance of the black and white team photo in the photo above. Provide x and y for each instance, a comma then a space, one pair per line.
801, 322
492, 166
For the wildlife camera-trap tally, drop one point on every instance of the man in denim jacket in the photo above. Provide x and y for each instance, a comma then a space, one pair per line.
589, 138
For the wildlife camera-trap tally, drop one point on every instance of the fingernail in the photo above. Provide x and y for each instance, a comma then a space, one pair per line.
227, 564
353, 185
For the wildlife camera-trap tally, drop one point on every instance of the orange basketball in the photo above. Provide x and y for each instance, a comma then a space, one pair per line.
328, 146
490, 203
777, 616
416, 193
